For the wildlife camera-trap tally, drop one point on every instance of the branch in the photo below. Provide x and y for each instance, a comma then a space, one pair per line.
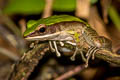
108, 56
101, 54
70, 73
26, 65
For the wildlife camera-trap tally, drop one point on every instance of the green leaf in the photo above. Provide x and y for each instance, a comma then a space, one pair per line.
64, 5
37, 6
115, 17
24, 7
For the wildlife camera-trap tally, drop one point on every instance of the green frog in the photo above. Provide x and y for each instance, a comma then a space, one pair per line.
66, 29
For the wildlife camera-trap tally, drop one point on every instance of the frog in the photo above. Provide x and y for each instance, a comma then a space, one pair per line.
67, 29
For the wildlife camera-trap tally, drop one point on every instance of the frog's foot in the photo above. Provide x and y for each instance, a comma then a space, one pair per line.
56, 49
75, 53
91, 52
51, 46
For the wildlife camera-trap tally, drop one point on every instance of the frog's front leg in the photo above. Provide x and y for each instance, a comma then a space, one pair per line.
79, 49
51, 46
55, 49
74, 54
76, 50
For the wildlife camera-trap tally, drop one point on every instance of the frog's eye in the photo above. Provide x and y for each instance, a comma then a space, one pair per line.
42, 29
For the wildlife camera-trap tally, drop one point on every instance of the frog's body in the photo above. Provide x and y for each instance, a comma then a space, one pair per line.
67, 29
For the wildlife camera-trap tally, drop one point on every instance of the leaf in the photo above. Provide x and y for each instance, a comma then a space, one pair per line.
93, 1
115, 17
24, 7
64, 5
37, 6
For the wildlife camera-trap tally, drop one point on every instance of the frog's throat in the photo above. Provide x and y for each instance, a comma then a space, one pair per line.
54, 36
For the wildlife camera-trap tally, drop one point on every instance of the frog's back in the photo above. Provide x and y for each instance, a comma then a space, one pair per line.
53, 20
68, 26
58, 18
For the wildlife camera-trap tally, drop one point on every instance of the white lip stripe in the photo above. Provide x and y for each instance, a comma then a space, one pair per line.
42, 37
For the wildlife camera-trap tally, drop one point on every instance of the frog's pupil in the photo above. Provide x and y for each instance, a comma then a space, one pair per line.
42, 29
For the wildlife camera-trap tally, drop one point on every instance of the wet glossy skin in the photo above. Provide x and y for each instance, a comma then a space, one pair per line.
73, 29
75, 33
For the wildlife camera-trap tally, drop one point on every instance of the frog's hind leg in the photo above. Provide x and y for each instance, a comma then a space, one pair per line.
83, 57
74, 54
90, 53
76, 50
93, 54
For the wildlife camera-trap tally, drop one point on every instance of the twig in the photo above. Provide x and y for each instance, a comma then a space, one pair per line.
22, 24
10, 24
106, 56
103, 55
71, 73
96, 22
48, 9
26, 65
82, 8
8, 53
105, 5
23, 69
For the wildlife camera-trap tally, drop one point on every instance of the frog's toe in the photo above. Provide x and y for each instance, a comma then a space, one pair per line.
93, 54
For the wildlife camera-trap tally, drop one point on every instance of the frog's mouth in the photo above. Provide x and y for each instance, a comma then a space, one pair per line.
58, 36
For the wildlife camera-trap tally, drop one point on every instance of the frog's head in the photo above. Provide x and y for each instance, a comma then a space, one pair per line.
43, 32
40, 32
44, 29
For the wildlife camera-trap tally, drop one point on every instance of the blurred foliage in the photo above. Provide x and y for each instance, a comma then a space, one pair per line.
37, 6
24, 7
64, 5
115, 17
93, 1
